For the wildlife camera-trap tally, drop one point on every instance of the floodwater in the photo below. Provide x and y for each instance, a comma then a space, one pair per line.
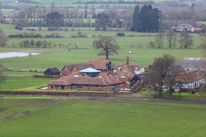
14, 54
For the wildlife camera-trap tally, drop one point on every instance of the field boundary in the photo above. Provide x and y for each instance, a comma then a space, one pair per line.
88, 94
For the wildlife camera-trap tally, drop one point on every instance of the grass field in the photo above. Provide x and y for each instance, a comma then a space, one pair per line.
14, 73
81, 117
11, 107
25, 84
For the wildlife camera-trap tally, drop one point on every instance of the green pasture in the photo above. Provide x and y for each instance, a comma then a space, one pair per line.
11, 107
25, 84
15, 73
34, 84
84, 117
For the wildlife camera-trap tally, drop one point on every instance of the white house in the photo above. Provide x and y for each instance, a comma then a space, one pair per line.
190, 80
183, 27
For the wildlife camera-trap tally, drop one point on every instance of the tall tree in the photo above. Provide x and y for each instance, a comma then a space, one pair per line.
85, 12
160, 68
143, 19
159, 39
54, 19
186, 40
106, 45
171, 38
135, 26
102, 21
2, 76
3, 38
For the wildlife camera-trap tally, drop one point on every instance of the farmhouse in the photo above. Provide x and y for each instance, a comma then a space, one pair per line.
87, 79
190, 80
68, 69
52, 71
128, 71
102, 65
185, 27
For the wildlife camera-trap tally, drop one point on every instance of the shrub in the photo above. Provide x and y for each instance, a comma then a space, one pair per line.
74, 36
72, 29
120, 34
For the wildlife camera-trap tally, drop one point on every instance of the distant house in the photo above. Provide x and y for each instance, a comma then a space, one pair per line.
185, 27
68, 69
198, 30
190, 80
87, 79
192, 65
128, 71
52, 71
102, 65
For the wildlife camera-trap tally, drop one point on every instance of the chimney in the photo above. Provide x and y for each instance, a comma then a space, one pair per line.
188, 70
127, 60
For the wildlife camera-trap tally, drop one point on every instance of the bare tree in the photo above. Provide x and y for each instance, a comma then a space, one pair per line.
171, 38
160, 69
106, 45
3, 38
159, 39
2, 76
186, 40
174, 72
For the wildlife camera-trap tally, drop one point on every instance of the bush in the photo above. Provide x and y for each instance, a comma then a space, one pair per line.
120, 34
72, 29
74, 36
132, 45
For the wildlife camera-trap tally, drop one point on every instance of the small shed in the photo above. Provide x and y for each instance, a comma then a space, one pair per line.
52, 71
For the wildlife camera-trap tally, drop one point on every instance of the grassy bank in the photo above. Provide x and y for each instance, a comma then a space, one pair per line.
81, 117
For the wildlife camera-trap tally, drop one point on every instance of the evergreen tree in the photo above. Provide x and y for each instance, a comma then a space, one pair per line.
135, 26
143, 17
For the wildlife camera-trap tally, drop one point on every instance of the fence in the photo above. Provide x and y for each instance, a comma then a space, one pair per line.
45, 76
90, 94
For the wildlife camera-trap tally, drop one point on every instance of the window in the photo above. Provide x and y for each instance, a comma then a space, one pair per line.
127, 75
96, 85
125, 70
74, 68
102, 86
73, 84
123, 75
98, 64
85, 85
66, 68
90, 85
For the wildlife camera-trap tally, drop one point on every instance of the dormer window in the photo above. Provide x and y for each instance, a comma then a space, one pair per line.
119, 68
136, 69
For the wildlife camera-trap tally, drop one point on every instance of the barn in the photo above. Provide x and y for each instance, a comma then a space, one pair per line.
52, 71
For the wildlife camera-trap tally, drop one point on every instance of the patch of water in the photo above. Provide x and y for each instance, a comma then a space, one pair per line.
14, 54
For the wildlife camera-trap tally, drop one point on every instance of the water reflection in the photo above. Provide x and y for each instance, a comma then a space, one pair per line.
14, 54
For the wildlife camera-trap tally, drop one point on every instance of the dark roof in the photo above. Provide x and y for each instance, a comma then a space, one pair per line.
191, 63
143, 76
54, 69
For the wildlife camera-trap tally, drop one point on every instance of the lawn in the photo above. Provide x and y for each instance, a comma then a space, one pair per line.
11, 107
14, 73
82, 117
20, 84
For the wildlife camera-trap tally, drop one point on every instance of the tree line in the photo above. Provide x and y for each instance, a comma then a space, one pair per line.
184, 39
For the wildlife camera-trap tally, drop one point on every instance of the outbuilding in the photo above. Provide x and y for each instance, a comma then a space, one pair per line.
52, 71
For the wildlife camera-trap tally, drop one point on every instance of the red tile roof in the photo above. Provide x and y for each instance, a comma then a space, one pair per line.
197, 29
188, 77
79, 66
101, 79
100, 64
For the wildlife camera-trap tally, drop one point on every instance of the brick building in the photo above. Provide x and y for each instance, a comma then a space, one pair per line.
102, 65
128, 71
68, 69
87, 79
